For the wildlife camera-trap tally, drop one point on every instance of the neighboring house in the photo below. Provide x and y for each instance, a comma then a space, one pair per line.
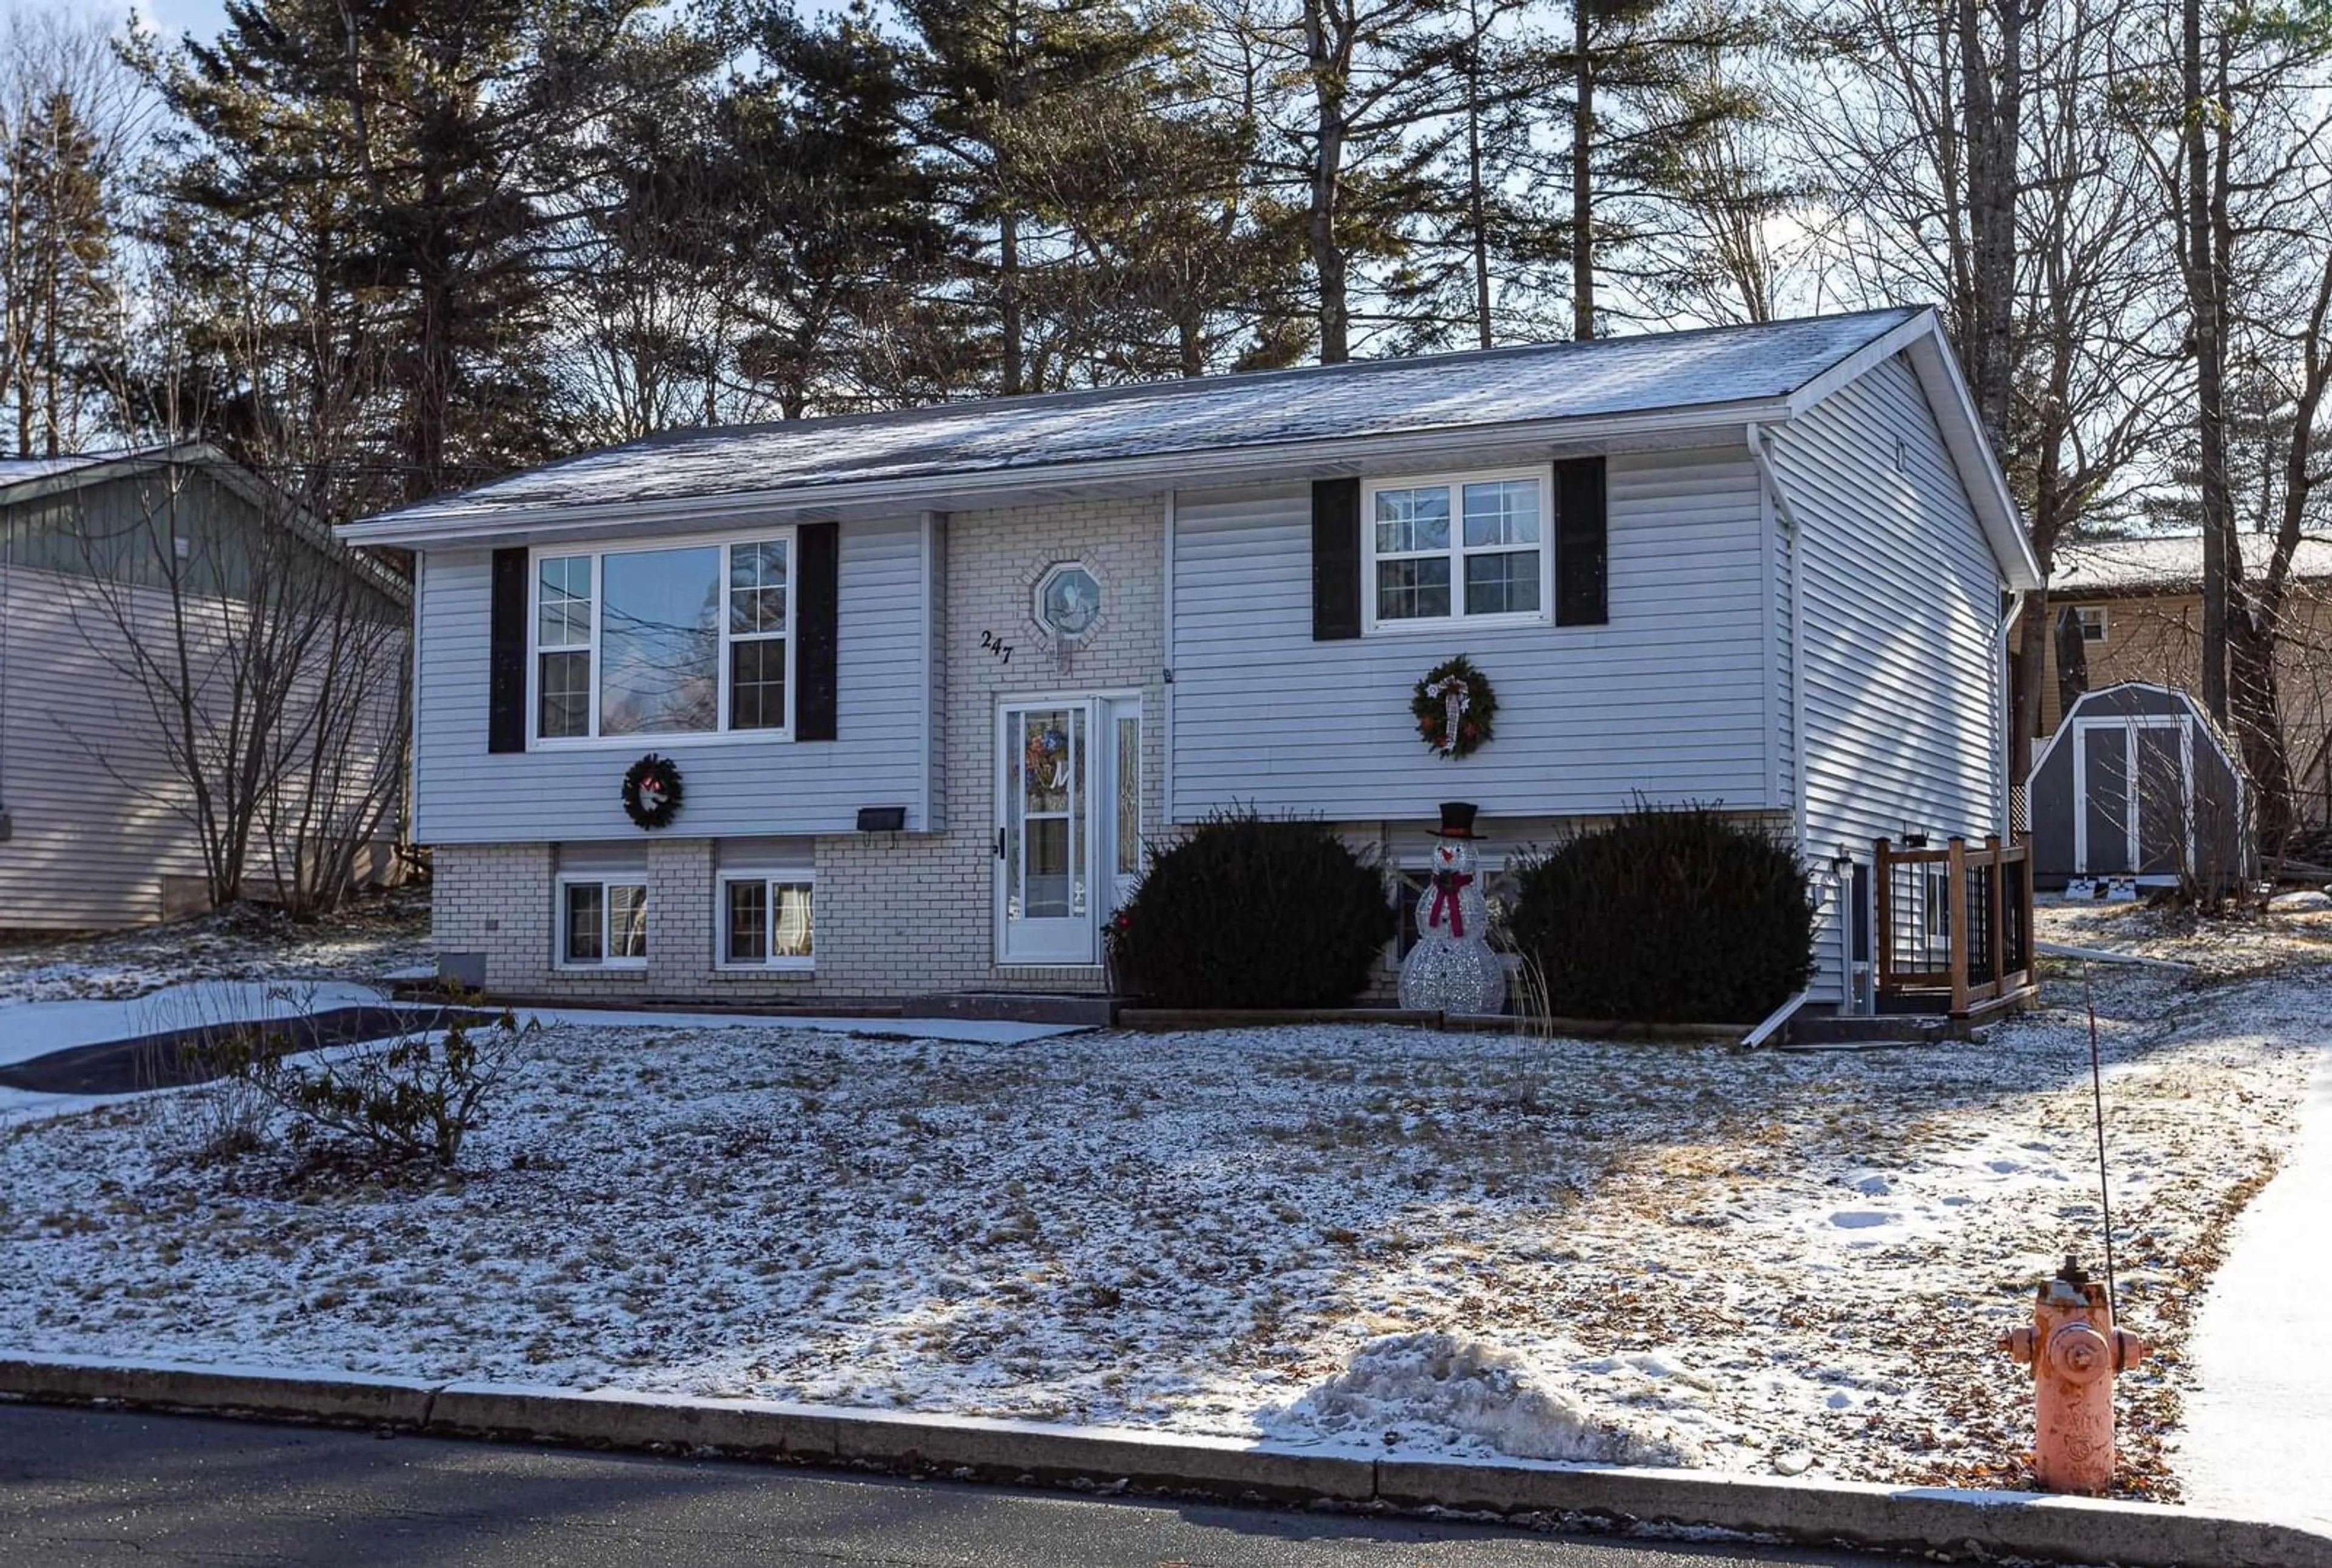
2130, 610
96, 812
1762, 568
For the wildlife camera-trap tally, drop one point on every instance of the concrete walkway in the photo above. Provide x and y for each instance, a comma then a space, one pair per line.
30, 1030
2259, 1428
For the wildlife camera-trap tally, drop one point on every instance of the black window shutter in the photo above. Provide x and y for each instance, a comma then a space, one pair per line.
817, 582
1336, 558
1581, 545
506, 654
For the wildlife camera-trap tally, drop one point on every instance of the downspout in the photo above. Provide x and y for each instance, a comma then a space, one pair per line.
2008, 619
1787, 516
7, 604
1166, 671
1755, 435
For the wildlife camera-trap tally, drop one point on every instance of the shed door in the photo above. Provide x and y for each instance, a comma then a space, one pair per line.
2101, 790
2164, 788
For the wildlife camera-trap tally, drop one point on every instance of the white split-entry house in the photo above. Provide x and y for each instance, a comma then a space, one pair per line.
932, 679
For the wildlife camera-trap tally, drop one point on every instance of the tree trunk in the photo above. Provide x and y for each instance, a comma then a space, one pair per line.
1007, 301
1582, 190
2027, 672
1328, 262
1993, 136
2255, 699
2204, 268
1476, 206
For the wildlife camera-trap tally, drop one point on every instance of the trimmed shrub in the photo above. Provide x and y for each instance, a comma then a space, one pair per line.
1667, 916
1247, 911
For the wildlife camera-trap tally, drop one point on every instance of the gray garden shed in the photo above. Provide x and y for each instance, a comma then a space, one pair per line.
2137, 781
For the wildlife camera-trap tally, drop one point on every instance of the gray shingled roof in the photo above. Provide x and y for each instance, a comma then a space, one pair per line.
1607, 377
21, 470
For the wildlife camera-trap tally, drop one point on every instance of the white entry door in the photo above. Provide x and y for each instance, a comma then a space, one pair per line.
1069, 815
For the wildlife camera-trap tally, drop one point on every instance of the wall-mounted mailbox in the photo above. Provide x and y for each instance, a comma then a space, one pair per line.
882, 819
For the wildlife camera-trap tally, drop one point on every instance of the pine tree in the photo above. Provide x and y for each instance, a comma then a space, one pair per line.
61, 295
842, 226
414, 156
1643, 116
1004, 88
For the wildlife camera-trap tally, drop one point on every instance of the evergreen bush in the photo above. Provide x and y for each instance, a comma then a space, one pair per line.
1667, 916
1250, 912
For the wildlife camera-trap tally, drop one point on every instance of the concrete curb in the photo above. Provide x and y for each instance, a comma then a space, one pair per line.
1931, 1520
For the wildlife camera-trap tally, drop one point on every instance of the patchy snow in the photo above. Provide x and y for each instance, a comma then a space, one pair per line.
366, 942
2218, 949
1453, 1394
1762, 1262
2258, 1438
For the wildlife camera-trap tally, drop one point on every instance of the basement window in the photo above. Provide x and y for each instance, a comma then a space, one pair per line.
603, 923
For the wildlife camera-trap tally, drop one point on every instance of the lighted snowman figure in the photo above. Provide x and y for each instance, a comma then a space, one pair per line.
1452, 968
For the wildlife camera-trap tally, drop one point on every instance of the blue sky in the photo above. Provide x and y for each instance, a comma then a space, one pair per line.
172, 17
167, 17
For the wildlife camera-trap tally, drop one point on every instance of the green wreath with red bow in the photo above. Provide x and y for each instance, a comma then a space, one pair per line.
651, 792
1453, 706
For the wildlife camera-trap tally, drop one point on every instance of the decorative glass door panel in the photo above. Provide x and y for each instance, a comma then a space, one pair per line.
1046, 842
1123, 839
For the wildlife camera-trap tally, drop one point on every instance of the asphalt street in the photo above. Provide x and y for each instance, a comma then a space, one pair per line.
89, 1488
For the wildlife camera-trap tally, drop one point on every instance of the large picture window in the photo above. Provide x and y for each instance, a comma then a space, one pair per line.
1466, 547
691, 638
603, 923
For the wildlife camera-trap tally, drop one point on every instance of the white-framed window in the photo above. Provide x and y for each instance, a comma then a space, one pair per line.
2093, 622
603, 922
764, 921
680, 638
1458, 547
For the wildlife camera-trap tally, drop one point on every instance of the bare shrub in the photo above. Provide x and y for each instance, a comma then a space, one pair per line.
415, 1095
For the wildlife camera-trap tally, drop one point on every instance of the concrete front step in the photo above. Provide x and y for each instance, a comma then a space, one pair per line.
1015, 1006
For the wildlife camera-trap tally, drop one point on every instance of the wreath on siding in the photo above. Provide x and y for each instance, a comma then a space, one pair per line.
651, 792
1453, 706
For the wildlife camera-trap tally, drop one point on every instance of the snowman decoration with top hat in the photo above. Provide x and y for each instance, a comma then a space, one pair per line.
1452, 969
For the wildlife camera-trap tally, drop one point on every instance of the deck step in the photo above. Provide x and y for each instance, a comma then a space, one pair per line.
1818, 1031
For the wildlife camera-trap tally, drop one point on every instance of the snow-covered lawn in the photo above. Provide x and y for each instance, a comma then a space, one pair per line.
1409, 1240
375, 936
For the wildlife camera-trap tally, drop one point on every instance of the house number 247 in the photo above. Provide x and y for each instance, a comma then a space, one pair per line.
997, 646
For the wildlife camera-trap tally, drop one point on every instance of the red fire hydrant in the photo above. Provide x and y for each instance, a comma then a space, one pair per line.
2074, 1351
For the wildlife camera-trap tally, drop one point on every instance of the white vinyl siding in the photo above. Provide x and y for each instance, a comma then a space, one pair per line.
1898, 632
1668, 699
743, 783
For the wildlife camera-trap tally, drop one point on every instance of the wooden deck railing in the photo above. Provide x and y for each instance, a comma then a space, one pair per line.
1955, 926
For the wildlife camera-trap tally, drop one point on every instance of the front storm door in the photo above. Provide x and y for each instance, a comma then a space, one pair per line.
1044, 842
1069, 792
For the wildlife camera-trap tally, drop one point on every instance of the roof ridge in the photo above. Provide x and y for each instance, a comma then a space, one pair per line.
1135, 391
